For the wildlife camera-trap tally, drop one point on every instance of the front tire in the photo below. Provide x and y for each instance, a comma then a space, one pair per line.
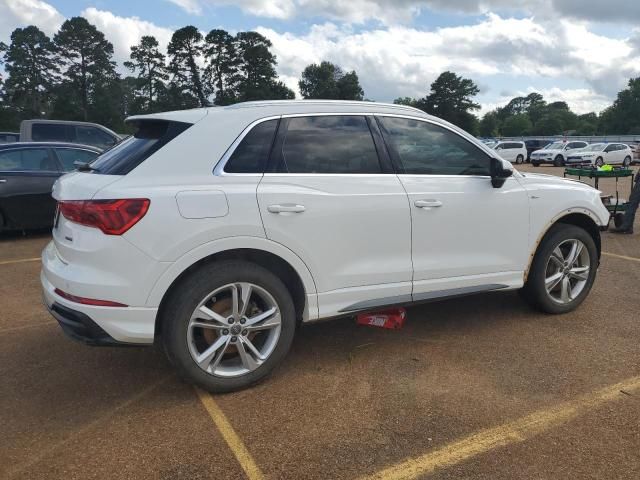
599, 162
559, 161
228, 325
563, 270
535, 164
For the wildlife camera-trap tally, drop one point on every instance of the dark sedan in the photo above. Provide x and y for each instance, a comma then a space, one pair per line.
27, 174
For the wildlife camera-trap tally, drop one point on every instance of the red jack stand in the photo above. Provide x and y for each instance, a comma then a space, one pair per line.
390, 318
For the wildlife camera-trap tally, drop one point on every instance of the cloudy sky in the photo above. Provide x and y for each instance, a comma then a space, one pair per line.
580, 51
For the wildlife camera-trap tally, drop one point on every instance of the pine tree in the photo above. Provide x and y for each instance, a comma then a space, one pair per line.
31, 67
149, 61
184, 51
86, 55
259, 80
222, 62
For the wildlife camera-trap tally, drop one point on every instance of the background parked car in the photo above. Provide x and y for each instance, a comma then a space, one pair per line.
600, 153
533, 145
71, 132
514, 152
555, 153
27, 173
9, 137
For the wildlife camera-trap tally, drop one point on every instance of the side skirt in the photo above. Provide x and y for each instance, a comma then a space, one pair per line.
420, 298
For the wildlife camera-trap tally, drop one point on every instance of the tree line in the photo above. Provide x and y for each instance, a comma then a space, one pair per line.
73, 76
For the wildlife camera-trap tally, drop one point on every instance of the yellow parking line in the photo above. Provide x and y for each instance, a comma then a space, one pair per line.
624, 257
40, 454
22, 260
513, 432
235, 443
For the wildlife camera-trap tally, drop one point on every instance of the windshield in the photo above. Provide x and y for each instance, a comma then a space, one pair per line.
554, 146
596, 147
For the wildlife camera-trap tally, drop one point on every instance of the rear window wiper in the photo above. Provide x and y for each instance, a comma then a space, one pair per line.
84, 166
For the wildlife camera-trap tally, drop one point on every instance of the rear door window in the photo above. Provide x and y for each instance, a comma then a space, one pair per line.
251, 155
27, 160
150, 136
329, 144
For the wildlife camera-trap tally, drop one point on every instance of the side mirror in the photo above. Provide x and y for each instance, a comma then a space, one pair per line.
499, 173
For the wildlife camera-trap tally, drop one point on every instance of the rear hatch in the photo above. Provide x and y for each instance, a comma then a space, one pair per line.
77, 242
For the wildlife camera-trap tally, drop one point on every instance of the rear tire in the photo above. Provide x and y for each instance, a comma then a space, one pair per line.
558, 283
519, 159
626, 162
245, 353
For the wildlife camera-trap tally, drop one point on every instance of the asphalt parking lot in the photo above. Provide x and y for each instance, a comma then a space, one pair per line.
481, 387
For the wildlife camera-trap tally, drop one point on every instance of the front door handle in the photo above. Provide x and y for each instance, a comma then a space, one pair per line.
286, 208
428, 203
3, 180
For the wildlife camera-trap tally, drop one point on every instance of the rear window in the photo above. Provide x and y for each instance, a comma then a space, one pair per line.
150, 136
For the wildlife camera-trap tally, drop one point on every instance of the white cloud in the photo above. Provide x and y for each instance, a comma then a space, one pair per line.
398, 11
21, 13
124, 32
190, 6
400, 61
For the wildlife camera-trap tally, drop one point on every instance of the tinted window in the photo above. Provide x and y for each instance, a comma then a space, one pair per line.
32, 159
68, 156
329, 144
94, 136
150, 137
427, 149
50, 132
251, 154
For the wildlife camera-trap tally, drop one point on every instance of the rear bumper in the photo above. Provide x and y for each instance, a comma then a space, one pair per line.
80, 327
99, 325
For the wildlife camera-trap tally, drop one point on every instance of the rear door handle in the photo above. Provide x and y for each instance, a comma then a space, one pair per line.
286, 208
428, 203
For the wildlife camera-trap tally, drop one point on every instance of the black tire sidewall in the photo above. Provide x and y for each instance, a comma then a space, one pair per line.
599, 162
192, 290
626, 162
535, 287
519, 159
558, 161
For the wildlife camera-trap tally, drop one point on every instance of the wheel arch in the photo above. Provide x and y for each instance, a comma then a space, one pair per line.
583, 218
273, 256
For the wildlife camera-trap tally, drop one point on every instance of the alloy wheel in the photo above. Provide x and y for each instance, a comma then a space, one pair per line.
567, 271
234, 330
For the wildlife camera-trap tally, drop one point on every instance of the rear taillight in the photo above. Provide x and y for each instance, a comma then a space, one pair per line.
113, 217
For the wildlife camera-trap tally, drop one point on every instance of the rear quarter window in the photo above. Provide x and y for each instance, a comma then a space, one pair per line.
150, 136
